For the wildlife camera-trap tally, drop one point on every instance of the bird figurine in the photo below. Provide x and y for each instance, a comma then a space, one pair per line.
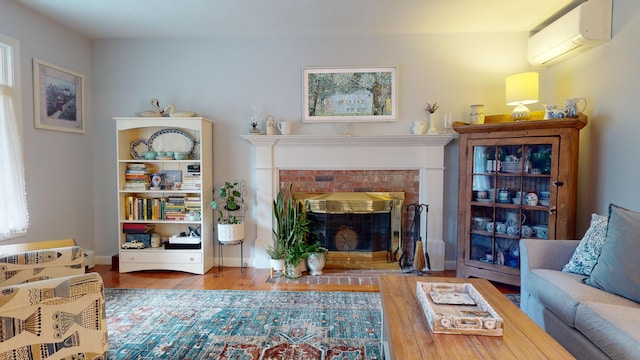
156, 112
171, 110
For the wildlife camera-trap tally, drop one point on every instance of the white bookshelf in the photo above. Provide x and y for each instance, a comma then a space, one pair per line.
165, 134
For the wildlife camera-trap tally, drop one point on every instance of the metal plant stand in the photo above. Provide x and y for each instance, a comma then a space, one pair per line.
243, 266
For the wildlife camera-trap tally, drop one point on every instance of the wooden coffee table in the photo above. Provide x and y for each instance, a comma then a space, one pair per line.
406, 333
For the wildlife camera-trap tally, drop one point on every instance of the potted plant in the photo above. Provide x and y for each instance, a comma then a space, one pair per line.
289, 231
277, 254
231, 209
316, 258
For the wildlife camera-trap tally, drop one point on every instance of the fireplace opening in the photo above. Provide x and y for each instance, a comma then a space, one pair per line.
355, 221
352, 232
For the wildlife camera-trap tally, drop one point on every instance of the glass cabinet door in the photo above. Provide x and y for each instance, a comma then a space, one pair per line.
512, 197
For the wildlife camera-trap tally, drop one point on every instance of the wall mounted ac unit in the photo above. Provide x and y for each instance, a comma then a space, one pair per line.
585, 27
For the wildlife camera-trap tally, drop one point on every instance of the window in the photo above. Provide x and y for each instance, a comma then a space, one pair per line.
14, 216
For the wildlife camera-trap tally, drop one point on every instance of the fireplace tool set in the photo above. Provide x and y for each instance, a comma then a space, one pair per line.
414, 259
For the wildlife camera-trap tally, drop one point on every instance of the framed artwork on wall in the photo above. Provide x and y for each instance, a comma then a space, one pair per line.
350, 94
58, 98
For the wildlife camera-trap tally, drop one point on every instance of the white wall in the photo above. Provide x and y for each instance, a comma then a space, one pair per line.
609, 78
222, 78
59, 165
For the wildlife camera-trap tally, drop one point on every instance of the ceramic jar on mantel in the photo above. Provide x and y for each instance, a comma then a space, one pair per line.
476, 116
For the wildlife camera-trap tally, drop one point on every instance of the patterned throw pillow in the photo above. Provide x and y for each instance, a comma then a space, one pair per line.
586, 254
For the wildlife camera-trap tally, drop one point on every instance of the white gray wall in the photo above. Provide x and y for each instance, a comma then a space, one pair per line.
58, 165
609, 78
222, 77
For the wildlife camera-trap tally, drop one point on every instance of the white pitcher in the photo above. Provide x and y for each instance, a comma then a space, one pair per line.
573, 106
419, 127
515, 218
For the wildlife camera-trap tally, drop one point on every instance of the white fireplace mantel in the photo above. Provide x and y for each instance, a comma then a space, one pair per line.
336, 152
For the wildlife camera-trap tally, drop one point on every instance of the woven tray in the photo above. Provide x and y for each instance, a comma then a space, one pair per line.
457, 308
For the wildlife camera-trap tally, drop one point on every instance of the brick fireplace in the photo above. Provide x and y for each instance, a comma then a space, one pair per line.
413, 164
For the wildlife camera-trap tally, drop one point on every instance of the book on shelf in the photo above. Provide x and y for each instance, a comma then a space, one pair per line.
131, 228
174, 207
190, 182
136, 177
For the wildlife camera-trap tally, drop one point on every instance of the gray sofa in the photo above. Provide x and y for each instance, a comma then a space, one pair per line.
589, 322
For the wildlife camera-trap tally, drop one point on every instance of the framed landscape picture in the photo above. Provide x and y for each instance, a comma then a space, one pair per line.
58, 98
350, 94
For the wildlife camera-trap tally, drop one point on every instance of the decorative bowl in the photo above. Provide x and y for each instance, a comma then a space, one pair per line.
542, 231
479, 223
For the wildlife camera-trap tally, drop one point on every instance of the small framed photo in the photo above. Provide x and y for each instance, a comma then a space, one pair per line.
350, 94
172, 176
58, 98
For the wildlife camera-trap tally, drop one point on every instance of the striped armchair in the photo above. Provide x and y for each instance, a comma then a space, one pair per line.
36, 265
49, 308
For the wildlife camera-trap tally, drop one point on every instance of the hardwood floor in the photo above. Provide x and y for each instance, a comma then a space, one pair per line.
333, 279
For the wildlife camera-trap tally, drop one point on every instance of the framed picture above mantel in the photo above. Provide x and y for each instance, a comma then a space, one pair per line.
350, 94
58, 98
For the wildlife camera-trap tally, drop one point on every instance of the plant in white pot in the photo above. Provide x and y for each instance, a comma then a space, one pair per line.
289, 230
231, 209
277, 253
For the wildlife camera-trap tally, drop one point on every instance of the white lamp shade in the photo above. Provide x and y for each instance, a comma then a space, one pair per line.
522, 89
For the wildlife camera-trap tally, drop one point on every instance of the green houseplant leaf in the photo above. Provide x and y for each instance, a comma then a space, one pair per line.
230, 203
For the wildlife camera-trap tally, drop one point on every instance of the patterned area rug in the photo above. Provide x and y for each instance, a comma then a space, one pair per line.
515, 299
232, 324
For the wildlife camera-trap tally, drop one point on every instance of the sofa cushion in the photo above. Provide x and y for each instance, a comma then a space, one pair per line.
618, 269
586, 254
562, 292
613, 328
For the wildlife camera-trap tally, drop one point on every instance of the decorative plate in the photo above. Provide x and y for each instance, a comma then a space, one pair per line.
195, 154
171, 140
138, 148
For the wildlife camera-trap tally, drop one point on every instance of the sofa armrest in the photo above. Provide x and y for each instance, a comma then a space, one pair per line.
62, 318
541, 254
546, 254
36, 265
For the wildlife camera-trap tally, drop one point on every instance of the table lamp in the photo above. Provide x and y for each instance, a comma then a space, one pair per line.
521, 89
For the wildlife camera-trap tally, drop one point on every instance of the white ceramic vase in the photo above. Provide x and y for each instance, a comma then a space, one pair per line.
419, 127
433, 117
316, 262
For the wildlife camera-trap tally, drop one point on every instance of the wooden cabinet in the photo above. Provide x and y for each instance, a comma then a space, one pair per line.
167, 194
537, 160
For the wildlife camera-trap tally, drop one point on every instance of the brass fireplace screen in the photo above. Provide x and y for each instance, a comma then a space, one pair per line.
355, 221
